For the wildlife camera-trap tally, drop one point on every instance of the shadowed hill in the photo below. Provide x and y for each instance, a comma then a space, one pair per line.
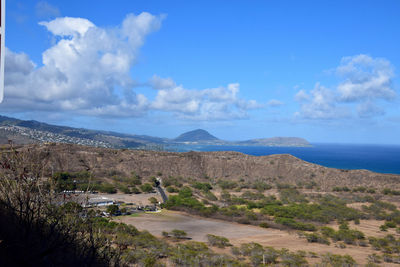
196, 136
206, 165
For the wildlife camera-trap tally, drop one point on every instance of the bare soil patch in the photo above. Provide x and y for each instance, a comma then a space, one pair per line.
197, 228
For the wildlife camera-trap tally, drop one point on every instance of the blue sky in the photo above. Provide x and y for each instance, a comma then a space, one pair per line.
323, 70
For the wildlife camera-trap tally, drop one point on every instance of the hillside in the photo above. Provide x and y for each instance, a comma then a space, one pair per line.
204, 166
198, 135
29, 132
278, 141
277, 201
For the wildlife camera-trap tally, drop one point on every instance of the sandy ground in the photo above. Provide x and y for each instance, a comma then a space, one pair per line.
197, 228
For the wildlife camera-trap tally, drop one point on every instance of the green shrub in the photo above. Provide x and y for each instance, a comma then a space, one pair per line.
261, 186
390, 224
338, 260
172, 189
383, 228
179, 234
202, 186
316, 238
291, 223
112, 209
105, 188
210, 196
225, 184
218, 241
135, 190
146, 188
124, 189
290, 195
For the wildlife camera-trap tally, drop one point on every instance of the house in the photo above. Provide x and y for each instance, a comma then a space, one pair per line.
99, 202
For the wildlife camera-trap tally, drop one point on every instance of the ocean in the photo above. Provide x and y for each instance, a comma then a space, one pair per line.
377, 158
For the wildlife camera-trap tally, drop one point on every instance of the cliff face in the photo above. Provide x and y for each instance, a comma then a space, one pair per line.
203, 165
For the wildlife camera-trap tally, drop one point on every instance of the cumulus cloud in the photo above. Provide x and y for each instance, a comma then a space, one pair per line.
87, 71
320, 104
365, 78
365, 82
68, 26
209, 104
301, 96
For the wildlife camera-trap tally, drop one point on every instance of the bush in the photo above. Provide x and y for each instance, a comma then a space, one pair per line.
210, 196
153, 200
124, 189
291, 223
390, 224
171, 181
224, 184
165, 234
202, 186
171, 189
146, 188
112, 209
179, 234
383, 228
135, 190
338, 260
316, 238
261, 186
292, 259
218, 241
290, 195
105, 188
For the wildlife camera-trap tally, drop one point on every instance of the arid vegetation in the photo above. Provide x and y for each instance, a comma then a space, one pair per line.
305, 209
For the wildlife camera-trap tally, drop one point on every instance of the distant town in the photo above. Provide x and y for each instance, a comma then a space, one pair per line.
49, 137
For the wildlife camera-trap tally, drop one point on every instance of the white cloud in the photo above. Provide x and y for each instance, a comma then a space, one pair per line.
87, 71
68, 26
365, 81
209, 104
161, 83
365, 78
301, 96
320, 104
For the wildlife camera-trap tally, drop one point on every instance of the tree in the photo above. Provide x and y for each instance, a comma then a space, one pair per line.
113, 209
48, 234
218, 241
153, 200
165, 234
146, 188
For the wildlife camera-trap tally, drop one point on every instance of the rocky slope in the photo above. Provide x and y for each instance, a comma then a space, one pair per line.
200, 165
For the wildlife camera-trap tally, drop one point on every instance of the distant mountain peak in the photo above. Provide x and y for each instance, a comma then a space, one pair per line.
198, 135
